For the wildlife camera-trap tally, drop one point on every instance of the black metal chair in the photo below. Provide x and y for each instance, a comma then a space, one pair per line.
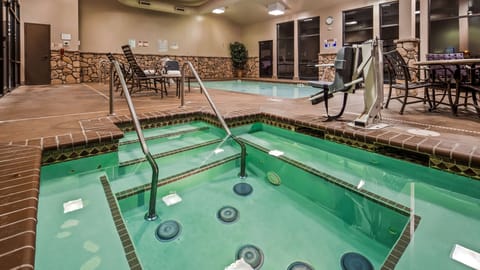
171, 72
400, 78
140, 78
466, 89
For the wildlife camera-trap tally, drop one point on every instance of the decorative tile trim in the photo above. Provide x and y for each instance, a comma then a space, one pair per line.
55, 156
161, 182
128, 247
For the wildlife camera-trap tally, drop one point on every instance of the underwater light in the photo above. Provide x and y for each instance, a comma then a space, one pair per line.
73, 205
466, 256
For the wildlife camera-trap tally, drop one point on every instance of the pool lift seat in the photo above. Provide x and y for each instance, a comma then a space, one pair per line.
354, 65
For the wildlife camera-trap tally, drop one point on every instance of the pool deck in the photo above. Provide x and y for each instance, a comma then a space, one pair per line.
34, 119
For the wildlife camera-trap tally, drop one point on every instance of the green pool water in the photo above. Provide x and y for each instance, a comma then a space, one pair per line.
306, 218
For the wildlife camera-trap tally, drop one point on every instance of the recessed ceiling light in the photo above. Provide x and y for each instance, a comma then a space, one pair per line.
351, 23
276, 9
219, 10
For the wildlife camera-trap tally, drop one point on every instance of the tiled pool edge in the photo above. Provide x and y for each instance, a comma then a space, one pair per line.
127, 243
19, 188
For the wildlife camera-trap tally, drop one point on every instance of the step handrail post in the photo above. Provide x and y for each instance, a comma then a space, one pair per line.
220, 118
151, 214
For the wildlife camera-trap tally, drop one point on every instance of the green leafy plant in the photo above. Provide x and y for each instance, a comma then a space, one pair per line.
239, 54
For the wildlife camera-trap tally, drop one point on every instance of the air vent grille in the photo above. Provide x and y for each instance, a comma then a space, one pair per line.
144, 2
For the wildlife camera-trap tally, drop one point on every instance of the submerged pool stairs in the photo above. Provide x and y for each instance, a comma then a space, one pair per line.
179, 150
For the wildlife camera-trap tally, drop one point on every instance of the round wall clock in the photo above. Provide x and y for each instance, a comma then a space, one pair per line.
329, 20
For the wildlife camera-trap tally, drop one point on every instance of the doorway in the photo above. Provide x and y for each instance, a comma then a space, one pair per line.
37, 54
266, 58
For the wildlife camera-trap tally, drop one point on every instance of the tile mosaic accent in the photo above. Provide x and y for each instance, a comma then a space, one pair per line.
54, 156
127, 243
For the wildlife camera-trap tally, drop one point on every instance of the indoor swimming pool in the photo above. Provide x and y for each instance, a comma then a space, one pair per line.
281, 90
307, 203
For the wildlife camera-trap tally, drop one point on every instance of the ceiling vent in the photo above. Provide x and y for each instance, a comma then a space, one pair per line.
180, 9
144, 2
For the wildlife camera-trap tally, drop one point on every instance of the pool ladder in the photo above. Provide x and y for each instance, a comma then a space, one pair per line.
151, 214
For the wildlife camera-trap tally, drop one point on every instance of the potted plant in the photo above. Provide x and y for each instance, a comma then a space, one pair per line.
239, 55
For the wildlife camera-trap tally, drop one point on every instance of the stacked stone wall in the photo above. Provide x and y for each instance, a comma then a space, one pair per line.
326, 73
65, 68
409, 50
77, 67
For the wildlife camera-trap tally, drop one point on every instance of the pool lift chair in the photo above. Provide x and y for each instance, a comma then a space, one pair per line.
354, 65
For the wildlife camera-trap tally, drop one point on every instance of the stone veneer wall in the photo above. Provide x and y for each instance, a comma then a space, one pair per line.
326, 73
409, 48
65, 68
77, 67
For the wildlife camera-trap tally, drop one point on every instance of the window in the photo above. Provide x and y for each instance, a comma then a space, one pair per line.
357, 25
285, 50
10, 47
444, 26
474, 27
308, 48
389, 25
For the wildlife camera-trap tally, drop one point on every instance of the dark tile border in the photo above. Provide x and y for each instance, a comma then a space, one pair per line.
161, 182
128, 247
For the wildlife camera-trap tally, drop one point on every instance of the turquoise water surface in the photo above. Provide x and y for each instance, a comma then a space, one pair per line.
282, 90
305, 218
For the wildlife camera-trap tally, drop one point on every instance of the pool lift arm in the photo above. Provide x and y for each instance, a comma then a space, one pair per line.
366, 66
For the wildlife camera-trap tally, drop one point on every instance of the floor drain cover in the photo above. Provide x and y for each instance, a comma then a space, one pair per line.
251, 255
355, 261
300, 266
423, 132
243, 189
227, 214
167, 230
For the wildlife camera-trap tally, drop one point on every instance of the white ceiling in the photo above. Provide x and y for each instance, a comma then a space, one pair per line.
238, 11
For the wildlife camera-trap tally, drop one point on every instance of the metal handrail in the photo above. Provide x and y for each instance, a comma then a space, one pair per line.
243, 154
151, 215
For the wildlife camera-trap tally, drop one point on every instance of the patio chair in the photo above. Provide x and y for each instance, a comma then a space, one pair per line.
171, 71
469, 88
125, 72
140, 77
401, 79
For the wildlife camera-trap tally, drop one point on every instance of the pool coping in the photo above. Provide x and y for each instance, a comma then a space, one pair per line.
101, 135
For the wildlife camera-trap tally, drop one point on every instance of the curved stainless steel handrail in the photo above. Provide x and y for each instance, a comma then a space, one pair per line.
243, 156
151, 215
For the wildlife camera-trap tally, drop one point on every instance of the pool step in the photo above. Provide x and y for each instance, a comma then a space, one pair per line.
168, 140
175, 164
328, 158
156, 133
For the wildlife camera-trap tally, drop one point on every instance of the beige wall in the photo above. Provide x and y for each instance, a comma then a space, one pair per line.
254, 33
106, 25
61, 15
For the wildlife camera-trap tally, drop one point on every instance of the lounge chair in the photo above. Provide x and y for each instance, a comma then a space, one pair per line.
140, 77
